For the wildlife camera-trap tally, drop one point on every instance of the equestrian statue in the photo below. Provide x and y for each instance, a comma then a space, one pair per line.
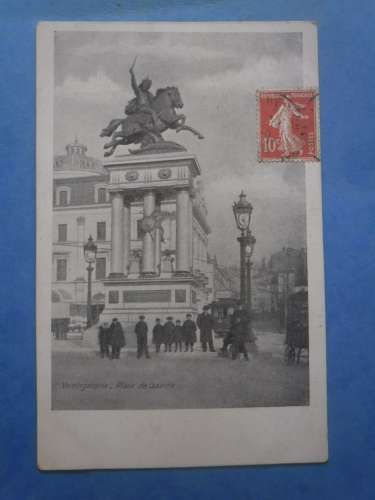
147, 117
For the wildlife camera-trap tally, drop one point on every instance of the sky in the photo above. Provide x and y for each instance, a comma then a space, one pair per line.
217, 75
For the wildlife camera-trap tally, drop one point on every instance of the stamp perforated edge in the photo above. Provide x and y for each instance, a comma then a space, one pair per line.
316, 119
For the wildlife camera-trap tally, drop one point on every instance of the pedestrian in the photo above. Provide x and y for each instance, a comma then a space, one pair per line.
168, 334
141, 330
189, 335
178, 336
205, 324
240, 314
239, 339
158, 334
104, 339
117, 338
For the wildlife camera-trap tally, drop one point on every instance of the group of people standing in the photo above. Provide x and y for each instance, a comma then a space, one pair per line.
171, 335
111, 339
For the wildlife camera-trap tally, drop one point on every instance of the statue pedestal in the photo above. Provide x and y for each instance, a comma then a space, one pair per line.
146, 181
153, 297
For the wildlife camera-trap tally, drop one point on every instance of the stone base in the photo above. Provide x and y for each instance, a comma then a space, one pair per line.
152, 297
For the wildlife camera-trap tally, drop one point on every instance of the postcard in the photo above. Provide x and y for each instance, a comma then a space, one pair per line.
180, 277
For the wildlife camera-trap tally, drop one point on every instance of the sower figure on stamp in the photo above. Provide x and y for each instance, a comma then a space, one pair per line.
205, 324
168, 334
104, 340
141, 330
158, 335
282, 120
178, 336
189, 335
117, 338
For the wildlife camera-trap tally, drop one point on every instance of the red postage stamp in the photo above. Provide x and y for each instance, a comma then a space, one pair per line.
288, 125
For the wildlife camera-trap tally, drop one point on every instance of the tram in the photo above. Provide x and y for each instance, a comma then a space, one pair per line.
221, 311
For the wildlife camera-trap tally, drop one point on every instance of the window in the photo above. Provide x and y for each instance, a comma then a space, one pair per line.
100, 268
62, 232
113, 297
63, 198
61, 268
100, 231
102, 195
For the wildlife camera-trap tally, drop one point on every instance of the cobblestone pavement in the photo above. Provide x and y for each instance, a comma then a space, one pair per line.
82, 380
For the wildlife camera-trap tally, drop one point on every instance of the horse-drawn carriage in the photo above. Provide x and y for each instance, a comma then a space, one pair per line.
297, 331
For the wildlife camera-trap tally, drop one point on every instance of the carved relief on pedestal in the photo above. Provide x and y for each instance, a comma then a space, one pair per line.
164, 173
132, 175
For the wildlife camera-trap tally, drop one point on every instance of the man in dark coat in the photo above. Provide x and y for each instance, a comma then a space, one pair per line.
141, 330
178, 336
104, 340
240, 335
189, 335
168, 334
205, 324
117, 338
243, 316
158, 335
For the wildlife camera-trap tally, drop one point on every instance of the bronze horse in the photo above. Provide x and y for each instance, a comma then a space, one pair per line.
138, 127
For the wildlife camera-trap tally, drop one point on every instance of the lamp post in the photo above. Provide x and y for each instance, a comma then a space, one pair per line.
249, 249
89, 250
242, 213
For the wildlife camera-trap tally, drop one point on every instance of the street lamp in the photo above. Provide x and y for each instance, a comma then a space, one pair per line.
89, 250
242, 213
249, 249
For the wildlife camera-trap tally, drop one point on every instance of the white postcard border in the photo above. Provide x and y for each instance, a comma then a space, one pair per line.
175, 438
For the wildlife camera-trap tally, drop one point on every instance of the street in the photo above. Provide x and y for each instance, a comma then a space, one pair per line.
81, 380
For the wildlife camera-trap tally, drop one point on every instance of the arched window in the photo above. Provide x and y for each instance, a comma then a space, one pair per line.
63, 196
101, 194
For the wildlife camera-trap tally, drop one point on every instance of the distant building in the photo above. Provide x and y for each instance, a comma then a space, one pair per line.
221, 283
289, 269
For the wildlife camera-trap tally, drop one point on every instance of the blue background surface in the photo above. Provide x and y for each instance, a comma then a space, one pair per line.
347, 71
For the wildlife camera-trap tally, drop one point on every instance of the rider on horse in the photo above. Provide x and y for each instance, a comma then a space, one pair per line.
143, 97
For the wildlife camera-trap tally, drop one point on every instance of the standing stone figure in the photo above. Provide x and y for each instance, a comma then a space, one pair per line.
141, 330
205, 324
189, 329
117, 338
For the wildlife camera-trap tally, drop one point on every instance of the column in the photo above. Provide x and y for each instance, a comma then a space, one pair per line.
157, 242
117, 234
127, 236
183, 206
148, 261
190, 227
81, 264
